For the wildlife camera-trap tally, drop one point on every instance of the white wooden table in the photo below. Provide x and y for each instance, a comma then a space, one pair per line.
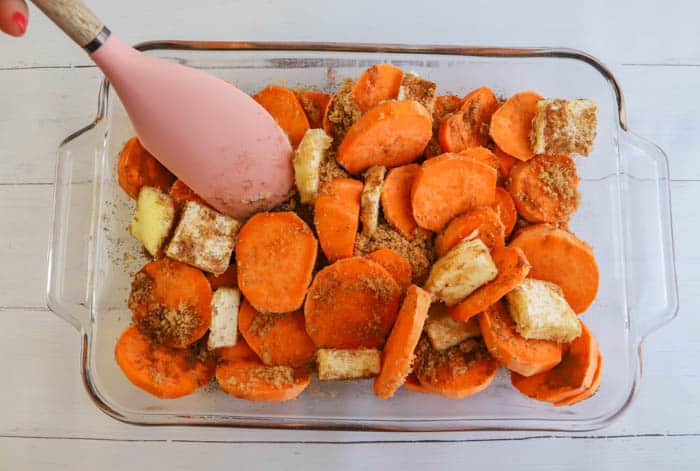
48, 89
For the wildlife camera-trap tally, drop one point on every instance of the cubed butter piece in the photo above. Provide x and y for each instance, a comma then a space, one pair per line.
418, 89
445, 332
339, 364
153, 218
223, 330
540, 311
564, 127
466, 267
370, 199
203, 238
307, 163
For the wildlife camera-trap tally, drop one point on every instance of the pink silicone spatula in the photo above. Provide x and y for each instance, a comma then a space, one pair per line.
211, 135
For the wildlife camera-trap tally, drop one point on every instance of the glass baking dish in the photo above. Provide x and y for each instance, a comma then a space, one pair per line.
625, 215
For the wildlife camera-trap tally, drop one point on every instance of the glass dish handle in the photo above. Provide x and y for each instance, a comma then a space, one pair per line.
72, 228
652, 290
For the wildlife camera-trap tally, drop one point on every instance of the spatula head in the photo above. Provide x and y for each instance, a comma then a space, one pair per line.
210, 134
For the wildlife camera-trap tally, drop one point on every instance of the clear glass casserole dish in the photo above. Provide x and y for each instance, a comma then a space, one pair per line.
624, 214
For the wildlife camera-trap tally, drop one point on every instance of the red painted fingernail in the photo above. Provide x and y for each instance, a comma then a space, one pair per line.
21, 21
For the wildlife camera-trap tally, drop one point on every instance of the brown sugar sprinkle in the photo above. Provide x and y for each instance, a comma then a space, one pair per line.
330, 169
342, 111
379, 286
557, 180
471, 115
166, 324
418, 89
141, 290
276, 377
419, 252
161, 323
459, 358
262, 323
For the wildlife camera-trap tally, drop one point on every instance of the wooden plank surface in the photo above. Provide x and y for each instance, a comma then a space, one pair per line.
624, 31
48, 89
638, 453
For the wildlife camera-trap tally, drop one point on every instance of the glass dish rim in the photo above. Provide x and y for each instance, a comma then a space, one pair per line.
361, 424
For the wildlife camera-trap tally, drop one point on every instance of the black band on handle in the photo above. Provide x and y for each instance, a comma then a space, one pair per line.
99, 40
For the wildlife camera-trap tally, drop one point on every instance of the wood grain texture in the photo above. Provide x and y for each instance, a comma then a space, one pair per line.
73, 17
641, 453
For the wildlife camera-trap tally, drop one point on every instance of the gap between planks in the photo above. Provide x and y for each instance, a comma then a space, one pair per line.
363, 442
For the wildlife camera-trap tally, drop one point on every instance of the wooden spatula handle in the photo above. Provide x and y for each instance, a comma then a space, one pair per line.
76, 20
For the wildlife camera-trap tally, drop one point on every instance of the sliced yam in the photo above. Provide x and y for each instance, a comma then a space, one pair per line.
181, 194
284, 106
444, 106
351, 304
588, 393
255, 381
314, 105
445, 332
396, 201
370, 199
240, 351
397, 354
397, 266
137, 168
336, 217
277, 339
469, 127
483, 155
545, 188
449, 185
229, 278
457, 274
275, 255
391, 134
171, 302
460, 371
525, 357
505, 208
482, 223
378, 83
505, 163
512, 267
511, 125
165, 372
337, 364
418, 253
571, 377
560, 257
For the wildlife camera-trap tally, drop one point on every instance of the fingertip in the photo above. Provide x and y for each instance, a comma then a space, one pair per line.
20, 22
13, 17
